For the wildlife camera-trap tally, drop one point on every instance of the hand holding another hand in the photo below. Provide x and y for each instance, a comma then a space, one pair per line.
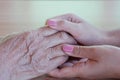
101, 59
103, 62
84, 32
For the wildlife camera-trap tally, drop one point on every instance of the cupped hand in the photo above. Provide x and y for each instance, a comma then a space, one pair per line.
103, 62
33, 53
84, 32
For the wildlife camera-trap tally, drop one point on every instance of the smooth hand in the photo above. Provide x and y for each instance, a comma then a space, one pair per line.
103, 62
82, 31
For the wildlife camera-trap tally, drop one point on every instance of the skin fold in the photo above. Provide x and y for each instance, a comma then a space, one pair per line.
33, 53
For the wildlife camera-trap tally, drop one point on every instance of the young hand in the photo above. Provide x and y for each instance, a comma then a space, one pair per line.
103, 62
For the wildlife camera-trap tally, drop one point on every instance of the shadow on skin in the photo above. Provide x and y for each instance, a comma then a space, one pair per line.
45, 77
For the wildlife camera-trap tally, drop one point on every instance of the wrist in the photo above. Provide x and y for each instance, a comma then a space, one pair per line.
107, 38
111, 38
101, 38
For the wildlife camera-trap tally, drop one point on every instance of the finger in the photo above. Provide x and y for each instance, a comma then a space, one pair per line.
71, 63
58, 38
55, 52
67, 64
91, 52
46, 31
66, 72
57, 61
64, 25
69, 17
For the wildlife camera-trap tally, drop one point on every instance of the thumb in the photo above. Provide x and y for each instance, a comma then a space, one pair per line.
63, 25
89, 52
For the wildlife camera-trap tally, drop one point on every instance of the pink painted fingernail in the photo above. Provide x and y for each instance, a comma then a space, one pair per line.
52, 23
68, 48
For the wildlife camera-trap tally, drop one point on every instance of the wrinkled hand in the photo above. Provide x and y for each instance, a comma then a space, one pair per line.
81, 30
103, 62
33, 53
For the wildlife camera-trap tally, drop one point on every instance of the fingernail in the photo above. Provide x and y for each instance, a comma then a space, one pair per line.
52, 23
68, 48
83, 60
67, 64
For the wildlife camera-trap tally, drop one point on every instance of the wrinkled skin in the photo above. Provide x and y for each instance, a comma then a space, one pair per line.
31, 54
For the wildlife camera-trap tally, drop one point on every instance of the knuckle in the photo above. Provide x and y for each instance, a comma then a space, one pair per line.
62, 22
43, 31
50, 56
46, 31
91, 49
71, 14
77, 51
63, 35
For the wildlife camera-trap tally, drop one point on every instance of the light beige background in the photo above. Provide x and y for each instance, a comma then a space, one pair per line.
16, 15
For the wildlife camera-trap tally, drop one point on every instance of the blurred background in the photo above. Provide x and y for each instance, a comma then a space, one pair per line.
17, 15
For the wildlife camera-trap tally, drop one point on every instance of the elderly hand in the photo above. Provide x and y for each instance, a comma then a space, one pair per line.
33, 53
103, 62
82, 31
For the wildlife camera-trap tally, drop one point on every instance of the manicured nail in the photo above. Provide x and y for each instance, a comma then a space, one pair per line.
52, 23
68, 48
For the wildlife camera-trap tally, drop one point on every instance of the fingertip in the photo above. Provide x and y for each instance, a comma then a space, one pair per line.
52, 23
68, 48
